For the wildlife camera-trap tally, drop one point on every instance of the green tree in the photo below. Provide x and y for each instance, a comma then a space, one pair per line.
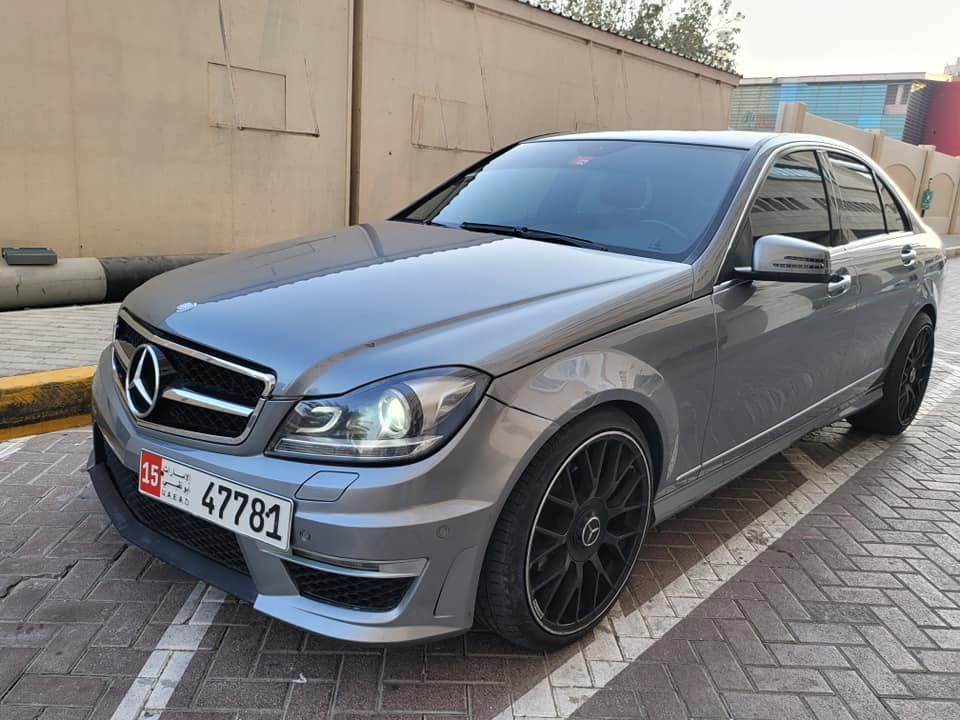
614, 15
704, 30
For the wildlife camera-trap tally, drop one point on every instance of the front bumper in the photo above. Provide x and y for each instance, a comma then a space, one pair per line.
401, 546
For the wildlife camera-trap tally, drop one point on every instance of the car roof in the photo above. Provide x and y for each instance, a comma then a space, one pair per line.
717, 138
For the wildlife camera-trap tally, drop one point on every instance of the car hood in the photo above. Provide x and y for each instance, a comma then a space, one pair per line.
331, 312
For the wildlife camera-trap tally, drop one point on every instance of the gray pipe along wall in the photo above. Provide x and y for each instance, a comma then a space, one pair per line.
77, 281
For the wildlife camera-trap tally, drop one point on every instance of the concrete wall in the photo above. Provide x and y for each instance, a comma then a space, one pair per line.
911, 167
189, 126
445, 82
120, 123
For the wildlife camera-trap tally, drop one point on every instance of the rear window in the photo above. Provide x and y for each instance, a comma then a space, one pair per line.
647, 198
860, 207
892, 212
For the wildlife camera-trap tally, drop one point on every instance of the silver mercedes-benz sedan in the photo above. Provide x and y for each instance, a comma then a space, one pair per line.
477, 409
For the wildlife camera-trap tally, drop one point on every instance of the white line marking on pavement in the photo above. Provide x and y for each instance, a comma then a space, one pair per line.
621, 638
10, 447
161, 673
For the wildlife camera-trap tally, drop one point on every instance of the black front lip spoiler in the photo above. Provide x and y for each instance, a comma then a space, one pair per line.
182, 558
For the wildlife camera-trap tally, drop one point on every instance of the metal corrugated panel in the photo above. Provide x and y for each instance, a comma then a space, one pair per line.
750, 107
858, 104
915, 121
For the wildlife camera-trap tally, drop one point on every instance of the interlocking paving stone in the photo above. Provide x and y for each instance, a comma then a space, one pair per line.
53, 338
852, 613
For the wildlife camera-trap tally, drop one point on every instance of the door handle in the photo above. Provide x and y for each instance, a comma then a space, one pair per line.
908, 256
839, 284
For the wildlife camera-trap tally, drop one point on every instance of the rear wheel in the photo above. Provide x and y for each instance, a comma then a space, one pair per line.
569, 534
905, 383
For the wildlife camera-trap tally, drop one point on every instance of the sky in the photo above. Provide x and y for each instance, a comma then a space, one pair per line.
827, 37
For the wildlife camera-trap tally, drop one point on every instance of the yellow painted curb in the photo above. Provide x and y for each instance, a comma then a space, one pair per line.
40, 397
45, 427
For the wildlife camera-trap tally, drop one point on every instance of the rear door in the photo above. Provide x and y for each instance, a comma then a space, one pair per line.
877, 241
781, 345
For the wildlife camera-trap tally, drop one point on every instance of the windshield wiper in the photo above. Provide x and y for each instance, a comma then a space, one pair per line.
531, 234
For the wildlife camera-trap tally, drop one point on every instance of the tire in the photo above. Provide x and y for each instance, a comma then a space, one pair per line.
905, 383
557, 530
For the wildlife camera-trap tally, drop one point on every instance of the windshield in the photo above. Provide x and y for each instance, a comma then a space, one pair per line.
649, 198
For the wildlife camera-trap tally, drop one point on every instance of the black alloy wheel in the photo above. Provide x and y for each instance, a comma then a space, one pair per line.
569, 533
587, 532
904, 383
915, 375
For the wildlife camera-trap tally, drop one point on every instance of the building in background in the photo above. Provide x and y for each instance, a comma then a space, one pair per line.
942, 125
902, 105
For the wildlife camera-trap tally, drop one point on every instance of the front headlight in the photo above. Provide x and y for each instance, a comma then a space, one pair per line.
399, 418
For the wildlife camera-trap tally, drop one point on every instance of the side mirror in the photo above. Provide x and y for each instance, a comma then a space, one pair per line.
788, 259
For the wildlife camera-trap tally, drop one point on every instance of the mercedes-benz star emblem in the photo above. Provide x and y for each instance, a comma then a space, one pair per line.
143, 381
591, 531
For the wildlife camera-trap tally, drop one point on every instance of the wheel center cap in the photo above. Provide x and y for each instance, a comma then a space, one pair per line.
590, 532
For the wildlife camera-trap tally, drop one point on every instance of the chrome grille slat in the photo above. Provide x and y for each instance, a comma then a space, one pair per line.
189, 397
210, 398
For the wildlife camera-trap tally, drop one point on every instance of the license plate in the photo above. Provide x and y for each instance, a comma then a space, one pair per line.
236, 507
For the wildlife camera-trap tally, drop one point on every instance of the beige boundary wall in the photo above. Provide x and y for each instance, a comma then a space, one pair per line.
133, 127
445, 82
909, 166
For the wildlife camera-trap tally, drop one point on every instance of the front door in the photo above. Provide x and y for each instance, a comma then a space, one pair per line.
781, 346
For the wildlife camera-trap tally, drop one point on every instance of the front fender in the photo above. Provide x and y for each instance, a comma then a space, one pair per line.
664, 366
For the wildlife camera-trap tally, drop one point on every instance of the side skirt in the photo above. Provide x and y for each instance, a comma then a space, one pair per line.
666, 506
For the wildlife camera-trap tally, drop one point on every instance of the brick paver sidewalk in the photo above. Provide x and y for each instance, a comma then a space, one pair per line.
54, 338
823, 585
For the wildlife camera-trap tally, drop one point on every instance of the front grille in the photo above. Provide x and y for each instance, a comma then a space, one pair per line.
203, 377
126, 333
214, 380
212, 542
357, 593
195, 419
207, 378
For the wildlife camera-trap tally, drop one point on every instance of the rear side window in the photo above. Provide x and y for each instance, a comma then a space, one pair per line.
793, 201
892, 211
860, 206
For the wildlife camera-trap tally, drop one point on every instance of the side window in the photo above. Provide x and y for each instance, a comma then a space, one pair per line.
793, 201
892, 211
860, 206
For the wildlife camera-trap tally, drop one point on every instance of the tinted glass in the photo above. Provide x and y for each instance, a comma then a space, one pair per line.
793, 201
653, 199
892, 211
859, 202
